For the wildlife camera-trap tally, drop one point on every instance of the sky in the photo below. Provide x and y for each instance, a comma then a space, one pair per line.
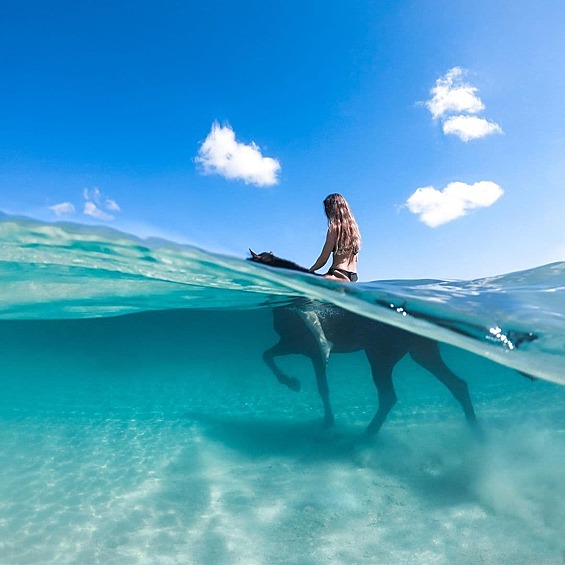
225, 124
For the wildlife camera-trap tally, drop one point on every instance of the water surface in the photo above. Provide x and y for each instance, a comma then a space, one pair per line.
139, 423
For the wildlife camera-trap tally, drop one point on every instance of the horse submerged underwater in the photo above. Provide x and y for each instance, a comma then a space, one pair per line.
384, 346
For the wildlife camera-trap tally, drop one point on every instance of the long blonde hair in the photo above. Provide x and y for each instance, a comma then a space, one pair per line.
341, 218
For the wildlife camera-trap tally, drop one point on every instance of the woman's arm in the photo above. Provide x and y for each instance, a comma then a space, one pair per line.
329, 245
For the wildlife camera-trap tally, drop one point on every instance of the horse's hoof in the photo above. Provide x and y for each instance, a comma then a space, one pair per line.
477, 432
294, 384
329, 422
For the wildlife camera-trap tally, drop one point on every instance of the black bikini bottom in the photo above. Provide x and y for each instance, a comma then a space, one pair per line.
349, 274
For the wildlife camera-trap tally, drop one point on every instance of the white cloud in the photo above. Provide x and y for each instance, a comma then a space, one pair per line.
221, 154
437, 207
92, 194
90, 209
112, 205
452, 95
62, 209
453, 100
94, 205
95, 201
469, 127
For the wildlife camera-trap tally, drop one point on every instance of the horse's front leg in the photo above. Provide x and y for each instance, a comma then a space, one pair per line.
322, 380
269, 357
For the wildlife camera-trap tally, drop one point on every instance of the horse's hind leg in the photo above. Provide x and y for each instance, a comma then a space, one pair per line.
429, 358
319, 365
269, 357
381, 368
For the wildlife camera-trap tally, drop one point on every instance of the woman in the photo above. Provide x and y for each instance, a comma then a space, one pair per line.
343, 240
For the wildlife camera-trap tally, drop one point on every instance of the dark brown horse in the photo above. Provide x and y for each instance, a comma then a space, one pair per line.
383, 344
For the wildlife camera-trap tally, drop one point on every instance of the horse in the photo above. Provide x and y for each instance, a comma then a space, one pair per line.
384, 346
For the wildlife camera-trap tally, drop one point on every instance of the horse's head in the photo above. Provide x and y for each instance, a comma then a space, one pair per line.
267, 257
270, 259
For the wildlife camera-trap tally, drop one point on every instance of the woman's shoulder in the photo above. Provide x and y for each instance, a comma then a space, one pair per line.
332, 234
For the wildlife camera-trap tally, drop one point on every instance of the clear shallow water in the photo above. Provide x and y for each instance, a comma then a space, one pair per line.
140, 424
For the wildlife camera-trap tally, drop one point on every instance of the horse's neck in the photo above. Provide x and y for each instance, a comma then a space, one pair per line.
284, 264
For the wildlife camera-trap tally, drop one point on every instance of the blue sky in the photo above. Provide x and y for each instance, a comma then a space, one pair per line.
225, 124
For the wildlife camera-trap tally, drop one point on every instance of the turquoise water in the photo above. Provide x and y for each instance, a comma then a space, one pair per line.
139, 423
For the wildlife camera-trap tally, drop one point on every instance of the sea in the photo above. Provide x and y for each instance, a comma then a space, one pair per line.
139, 422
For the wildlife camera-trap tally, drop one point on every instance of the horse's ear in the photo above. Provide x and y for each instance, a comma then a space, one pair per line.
253, 254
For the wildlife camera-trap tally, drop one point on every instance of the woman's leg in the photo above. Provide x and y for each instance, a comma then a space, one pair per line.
312, 322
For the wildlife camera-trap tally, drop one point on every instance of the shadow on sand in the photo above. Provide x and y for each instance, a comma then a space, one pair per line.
436, 467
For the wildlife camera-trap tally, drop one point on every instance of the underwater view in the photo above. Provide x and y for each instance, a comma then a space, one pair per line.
141, 423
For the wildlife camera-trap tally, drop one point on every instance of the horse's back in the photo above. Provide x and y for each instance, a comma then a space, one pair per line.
347, 331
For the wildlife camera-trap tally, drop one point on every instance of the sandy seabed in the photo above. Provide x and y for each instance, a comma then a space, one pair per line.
137, 454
